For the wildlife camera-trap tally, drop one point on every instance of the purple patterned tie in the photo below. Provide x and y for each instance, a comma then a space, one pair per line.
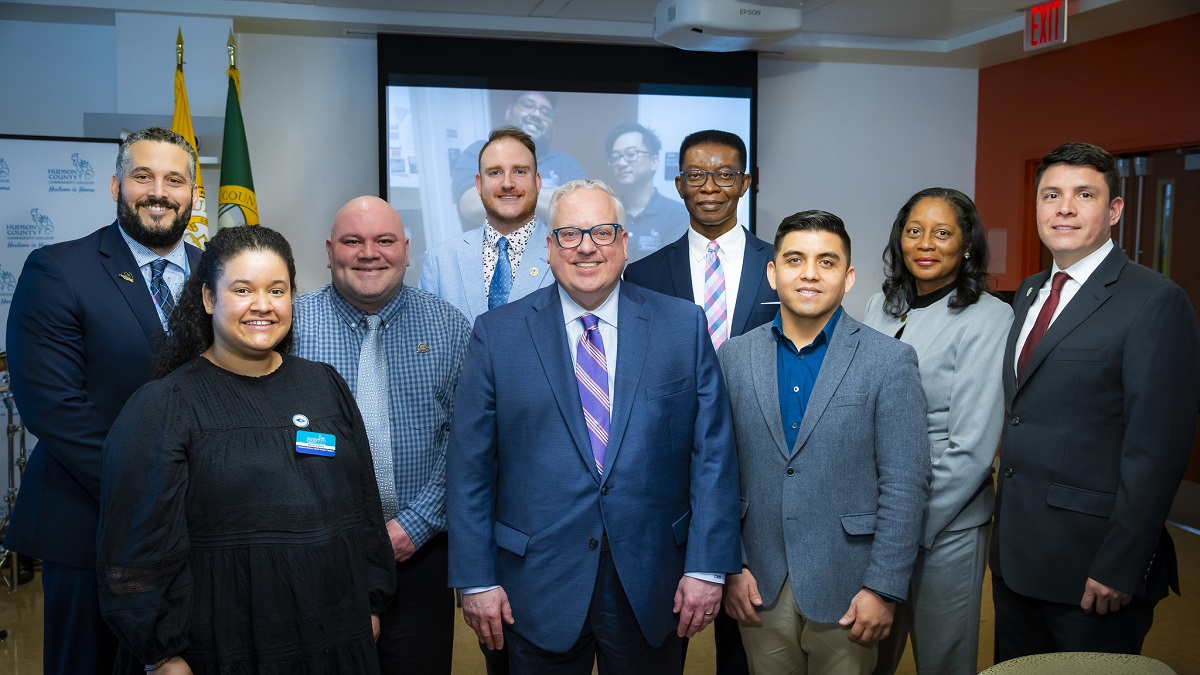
714, 296
591, 369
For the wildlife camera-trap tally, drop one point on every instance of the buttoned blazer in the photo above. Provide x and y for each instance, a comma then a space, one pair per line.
82, 330
527, 508
668, 271
453, 271
841, 509
1097, 435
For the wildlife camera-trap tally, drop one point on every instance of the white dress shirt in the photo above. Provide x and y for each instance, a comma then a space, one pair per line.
1079, 273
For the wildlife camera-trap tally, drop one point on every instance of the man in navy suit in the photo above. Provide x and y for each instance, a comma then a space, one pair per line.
1100, 388
85, 320
591, 481
715, 250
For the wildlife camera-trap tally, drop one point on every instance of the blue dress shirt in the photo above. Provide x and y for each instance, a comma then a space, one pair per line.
797, 371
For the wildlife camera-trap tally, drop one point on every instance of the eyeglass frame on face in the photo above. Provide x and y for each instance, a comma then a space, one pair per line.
616, 233
529, 105
615, 156
713, 174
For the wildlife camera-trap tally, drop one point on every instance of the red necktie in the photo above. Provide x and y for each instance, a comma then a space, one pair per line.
1042, 323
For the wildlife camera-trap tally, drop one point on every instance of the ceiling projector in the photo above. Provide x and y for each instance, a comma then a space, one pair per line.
723, 25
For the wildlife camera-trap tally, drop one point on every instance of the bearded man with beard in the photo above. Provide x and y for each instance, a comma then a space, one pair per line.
84, 323
533, 112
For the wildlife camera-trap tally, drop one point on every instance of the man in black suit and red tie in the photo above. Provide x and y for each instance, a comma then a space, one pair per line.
85, 320
1102, 386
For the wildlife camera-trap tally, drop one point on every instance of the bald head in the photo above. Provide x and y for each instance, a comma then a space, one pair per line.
368, 253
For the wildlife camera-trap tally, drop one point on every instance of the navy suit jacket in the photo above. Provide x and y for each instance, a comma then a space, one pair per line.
1096, 437
668, 271
82, 331
526, 507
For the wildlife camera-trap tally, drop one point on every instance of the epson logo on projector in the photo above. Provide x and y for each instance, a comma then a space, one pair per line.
752, 12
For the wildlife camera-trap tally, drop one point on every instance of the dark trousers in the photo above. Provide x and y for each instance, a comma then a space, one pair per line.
611, 638
416, 631
76, 641
1026, 625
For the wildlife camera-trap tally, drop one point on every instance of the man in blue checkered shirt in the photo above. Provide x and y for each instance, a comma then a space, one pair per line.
410, 346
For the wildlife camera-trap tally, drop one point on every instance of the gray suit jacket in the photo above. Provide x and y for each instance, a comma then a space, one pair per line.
959, 353
453, 271
842, 509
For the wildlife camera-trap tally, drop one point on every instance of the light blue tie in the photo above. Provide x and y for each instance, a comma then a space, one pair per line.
502, 278
375, 405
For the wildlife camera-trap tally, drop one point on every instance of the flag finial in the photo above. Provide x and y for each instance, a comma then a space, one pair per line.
232, 45
179, 49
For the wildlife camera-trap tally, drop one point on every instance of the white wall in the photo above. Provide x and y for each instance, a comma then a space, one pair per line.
858, 141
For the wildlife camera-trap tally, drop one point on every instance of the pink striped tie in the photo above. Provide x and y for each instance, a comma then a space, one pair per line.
591, 369
714, 296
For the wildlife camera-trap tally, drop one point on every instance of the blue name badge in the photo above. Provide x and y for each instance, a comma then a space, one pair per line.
310, 443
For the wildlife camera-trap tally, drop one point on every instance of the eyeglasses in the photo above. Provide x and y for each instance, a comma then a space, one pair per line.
571, 237
721, 177
528, 105
630, 156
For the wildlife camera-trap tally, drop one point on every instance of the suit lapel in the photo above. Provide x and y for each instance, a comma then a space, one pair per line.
833, 368
1091, 295
679, 269
469, 259
753, 276
1024, 299
634, 320
766, 385
548, 333
122, 269
534, 270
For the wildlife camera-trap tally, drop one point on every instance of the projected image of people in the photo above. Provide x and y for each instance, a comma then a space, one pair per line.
652, 219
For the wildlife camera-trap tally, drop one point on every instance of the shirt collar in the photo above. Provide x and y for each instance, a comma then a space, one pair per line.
353, 316
517, 240
823, 337
144, 256
606, 312
732, 243
1083, 268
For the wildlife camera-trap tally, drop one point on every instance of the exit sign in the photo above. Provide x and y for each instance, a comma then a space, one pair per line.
1046, 25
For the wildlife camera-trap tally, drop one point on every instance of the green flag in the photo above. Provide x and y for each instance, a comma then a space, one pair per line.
237, 204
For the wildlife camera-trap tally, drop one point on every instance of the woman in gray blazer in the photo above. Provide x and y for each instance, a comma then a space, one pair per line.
935, 300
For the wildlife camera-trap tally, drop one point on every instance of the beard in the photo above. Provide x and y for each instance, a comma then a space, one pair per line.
152, 237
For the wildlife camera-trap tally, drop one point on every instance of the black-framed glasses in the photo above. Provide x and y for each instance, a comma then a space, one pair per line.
571, 237
721, 177
630, 155
528, 105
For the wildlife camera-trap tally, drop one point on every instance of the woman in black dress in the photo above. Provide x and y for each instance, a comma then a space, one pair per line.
240, 526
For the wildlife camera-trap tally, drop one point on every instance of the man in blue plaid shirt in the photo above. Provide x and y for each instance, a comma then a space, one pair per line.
401, 350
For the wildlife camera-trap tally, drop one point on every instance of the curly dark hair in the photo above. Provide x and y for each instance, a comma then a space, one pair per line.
191, 326
900, 287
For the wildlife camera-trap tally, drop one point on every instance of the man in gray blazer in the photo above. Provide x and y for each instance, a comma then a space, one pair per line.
505, 258
829, 420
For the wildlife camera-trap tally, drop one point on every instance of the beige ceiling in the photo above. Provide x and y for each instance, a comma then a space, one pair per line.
955, 33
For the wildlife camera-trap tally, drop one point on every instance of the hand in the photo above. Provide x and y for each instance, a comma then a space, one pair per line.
402, 546
176, 666
696, 603
742, 597
1103, 599
375, 627
483, 613
870, 617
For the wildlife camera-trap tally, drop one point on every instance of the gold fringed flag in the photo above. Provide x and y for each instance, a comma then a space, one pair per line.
181, 123
237, 204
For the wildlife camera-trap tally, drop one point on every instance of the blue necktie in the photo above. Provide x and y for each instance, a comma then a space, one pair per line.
159, 291
501, 278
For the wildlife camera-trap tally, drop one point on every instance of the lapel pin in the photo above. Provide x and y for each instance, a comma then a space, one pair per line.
422, 348
1029, 291
127, 276
533, 271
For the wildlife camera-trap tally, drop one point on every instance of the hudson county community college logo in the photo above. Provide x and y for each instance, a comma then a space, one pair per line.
36, 233
79, 178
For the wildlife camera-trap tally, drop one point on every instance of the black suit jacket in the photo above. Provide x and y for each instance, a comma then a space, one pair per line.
82, 331
668, 271
1097, 435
